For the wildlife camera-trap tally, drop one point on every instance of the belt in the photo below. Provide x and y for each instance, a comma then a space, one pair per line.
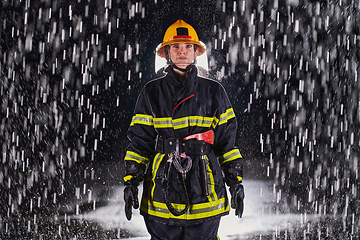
189, 147
196, 144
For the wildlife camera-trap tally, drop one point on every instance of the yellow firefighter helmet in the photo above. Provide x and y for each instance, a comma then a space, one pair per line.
180, 32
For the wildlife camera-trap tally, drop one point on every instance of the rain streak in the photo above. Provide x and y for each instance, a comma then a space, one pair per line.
70, 72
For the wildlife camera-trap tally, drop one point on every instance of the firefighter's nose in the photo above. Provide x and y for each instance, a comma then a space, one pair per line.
181, 50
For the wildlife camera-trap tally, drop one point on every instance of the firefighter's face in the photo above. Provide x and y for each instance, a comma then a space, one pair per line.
182, 54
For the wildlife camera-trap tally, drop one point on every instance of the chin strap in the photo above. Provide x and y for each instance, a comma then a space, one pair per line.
184, 70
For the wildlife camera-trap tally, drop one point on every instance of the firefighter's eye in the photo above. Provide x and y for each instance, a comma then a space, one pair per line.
189, 46
175, 45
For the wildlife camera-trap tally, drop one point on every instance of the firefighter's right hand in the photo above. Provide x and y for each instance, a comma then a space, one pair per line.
237, 198
131, 199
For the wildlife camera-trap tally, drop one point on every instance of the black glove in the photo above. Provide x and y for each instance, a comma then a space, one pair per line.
237, 198
131, 199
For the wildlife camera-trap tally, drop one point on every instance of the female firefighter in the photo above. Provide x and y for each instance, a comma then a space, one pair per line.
183, 134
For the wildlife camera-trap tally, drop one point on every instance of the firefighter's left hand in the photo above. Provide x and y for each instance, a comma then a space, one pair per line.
237, 198
131, 199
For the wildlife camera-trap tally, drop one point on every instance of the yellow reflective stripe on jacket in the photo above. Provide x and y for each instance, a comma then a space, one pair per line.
192, 121
127, 178
155, 167
226, 116
168, 122
229, 156
142, 119
133, 156
196, 211
212, 197
165, 122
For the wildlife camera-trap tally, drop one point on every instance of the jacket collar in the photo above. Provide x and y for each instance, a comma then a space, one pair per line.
191, 75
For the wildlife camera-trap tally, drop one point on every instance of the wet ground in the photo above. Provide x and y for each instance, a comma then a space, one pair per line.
261, 220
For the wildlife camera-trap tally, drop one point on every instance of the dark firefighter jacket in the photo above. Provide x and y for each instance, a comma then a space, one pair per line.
169, 109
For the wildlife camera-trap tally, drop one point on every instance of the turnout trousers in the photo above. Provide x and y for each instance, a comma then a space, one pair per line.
204, 231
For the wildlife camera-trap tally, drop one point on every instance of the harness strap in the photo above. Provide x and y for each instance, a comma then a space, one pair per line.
166, 194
